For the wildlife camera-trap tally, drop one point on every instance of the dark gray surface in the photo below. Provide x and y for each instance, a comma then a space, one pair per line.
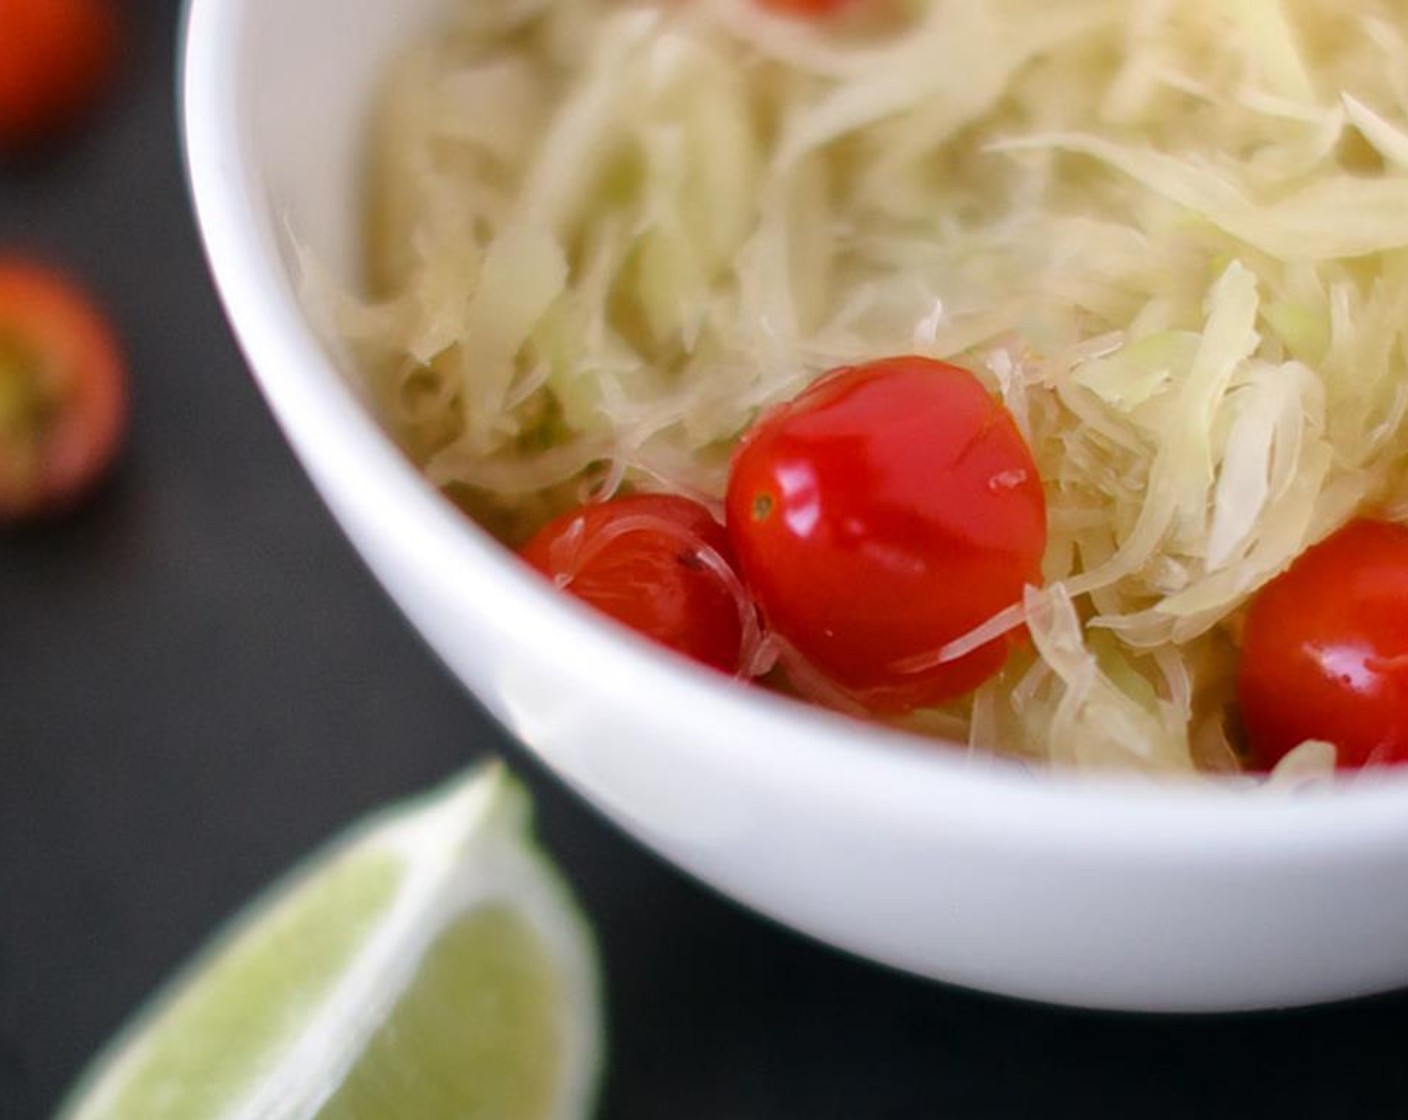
198, 681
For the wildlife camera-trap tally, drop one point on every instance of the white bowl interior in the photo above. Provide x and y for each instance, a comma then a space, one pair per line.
1096, 892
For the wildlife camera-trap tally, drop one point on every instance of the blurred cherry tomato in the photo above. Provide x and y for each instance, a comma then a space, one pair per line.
651, 562
54, 57
886, 511
63, 392
1325, 650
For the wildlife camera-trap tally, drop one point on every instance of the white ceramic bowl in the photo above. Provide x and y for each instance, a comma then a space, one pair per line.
1097, 893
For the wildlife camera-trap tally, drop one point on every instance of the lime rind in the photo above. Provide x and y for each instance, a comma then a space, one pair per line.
461, 848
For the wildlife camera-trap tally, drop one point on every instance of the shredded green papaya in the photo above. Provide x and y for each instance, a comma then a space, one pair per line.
1172, 235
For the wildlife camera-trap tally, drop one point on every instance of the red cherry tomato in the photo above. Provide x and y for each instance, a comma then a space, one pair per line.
884, 512
1325, 651
63, 392
54, 56
652, 562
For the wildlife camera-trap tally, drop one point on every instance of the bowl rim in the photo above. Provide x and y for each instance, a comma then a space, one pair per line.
818, 752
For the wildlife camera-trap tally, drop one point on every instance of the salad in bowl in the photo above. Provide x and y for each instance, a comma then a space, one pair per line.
1020, 385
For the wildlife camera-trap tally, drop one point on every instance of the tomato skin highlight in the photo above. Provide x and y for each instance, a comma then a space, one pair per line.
639, 559
55, 55
884, 512
63, 392
1325, 651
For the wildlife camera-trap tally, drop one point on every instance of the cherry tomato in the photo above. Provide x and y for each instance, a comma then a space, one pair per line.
63, 392
1325, 650
54, 56
652, 562
884, 512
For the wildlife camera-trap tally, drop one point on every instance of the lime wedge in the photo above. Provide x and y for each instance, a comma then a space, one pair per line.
429, 964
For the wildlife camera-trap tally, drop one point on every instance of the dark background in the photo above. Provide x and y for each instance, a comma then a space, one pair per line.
199, 681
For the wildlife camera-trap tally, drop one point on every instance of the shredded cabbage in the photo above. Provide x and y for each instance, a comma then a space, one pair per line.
1171, 234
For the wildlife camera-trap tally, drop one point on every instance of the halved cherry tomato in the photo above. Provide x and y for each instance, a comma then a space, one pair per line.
63, 392
653, 562
1325, 651
54, 56
884, 512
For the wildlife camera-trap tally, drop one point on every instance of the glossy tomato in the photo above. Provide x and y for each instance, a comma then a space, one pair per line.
1325, 650
886, 511
63, 392
54, 56
658, 563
